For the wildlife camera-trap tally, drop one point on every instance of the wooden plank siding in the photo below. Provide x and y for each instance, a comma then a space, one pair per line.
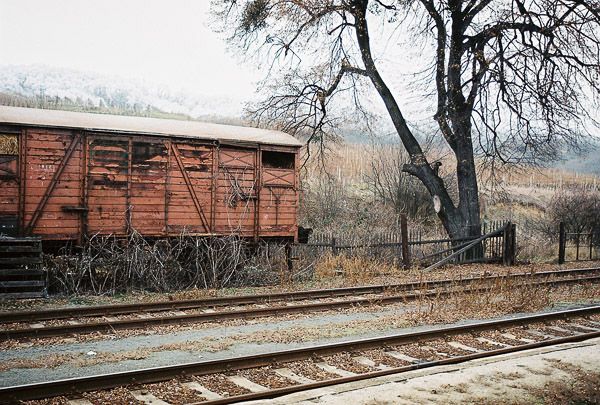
87, 182
46, 155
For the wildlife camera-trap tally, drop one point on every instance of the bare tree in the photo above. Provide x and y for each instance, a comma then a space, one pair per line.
395, 187
578, 208
514, 79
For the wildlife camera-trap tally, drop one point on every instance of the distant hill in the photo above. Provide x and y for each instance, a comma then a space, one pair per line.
587, 162
45, 87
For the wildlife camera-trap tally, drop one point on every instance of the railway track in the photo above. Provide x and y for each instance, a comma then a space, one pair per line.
278, 373
61, 322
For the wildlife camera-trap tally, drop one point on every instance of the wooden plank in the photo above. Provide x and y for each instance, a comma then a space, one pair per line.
44, 153
59, 192
21, 272
20, 260
21, 239
37, 187
20, 248
13, 295
58, 143
48, 134
22, 283
53, 226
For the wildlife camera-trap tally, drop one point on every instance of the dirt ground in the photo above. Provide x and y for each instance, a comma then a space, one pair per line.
565, 374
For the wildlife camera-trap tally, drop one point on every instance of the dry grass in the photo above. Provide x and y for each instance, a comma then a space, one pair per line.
350, 162
355, 269
9, 145
503, 297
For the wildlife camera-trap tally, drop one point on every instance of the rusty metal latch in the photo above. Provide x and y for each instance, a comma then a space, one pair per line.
72, 208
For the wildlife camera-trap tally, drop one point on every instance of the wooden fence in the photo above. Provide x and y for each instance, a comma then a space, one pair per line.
499, 246
577, 246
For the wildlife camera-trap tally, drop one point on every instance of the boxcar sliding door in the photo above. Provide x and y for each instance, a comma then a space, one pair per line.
278, 194
236, 191
107, 185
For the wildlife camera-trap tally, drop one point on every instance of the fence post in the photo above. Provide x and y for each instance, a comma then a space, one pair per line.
513, 242
506, 239
334, 250
562, 240
404, 241
288, 259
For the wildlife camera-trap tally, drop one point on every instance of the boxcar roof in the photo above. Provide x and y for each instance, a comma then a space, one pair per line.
144, 126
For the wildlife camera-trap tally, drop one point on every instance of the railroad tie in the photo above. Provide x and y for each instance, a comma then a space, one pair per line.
540, 334
334, 370
369, 363
179, 313
582, 327
289, 374
147, 398
563, 330
403, 357
246, 383
434, 350
513, 337
80, 401
493, 342
458, 345
203, 391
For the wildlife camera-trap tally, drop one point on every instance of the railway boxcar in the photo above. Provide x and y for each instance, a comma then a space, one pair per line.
67, 175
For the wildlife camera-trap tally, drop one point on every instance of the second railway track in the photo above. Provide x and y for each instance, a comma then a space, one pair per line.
76, 320
278, 373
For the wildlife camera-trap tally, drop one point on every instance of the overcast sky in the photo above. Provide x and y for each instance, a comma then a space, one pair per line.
167, 43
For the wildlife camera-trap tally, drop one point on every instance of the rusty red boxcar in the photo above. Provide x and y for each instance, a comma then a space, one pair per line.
65, 176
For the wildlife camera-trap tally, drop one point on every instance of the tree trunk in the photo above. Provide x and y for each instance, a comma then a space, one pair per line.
468, 194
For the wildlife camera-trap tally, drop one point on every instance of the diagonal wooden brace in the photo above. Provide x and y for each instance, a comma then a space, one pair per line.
190, 187
61, 168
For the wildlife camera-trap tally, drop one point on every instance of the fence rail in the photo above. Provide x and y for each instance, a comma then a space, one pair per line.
577, 246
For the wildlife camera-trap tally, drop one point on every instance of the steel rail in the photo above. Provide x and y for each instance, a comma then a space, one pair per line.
124, 309
277, 392
139, 323
78, 385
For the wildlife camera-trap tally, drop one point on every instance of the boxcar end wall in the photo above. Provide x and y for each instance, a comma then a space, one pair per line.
64, 184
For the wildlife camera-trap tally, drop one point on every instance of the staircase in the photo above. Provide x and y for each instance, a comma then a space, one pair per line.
21, 275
